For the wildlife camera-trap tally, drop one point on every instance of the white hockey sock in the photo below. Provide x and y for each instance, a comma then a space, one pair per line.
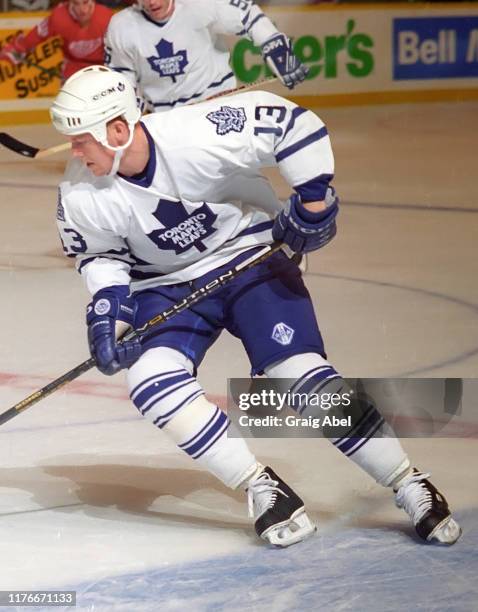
251, 474
164, 391
382, 458
204, 432
370, 443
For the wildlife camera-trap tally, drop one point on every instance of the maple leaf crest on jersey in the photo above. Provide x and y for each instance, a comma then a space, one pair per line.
182, 230
228, 119
168, 63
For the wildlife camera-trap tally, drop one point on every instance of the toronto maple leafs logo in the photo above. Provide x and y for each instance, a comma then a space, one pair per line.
182, 230
168, 63
228, 119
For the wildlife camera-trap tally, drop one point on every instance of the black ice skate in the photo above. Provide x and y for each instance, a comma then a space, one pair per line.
279, 513
427, 508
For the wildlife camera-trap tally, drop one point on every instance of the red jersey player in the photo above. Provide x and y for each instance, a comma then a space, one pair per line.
80, 23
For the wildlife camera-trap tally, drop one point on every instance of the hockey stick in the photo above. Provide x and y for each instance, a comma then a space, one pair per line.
17, 146
167, 314
24, 61
239, 89
43, 69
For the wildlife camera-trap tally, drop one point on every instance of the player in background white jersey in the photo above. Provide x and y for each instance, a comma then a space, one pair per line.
173, 53
140, 249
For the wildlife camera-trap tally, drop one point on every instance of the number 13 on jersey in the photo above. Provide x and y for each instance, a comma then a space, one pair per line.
272, 116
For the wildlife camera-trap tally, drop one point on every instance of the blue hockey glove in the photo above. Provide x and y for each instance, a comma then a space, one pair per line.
108, 306
304, 231
278, 55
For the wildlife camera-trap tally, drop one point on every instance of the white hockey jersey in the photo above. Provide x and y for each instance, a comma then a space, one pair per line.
195, 206
183, 59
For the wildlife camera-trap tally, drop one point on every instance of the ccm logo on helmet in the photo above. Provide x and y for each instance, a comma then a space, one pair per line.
107, 92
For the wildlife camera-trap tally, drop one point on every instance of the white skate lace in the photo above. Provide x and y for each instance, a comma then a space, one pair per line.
414, 497
263, 493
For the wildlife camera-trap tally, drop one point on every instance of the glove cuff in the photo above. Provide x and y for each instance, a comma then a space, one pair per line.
119, 291
277, 41
306, 215
114, 302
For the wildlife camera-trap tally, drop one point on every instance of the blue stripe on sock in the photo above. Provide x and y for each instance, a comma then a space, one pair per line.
191, 440
356, 433
317, 390
305, 376
168, 416
312, 381
215, 439
207, 439
165, 394
143, 396
365, 440
147, 380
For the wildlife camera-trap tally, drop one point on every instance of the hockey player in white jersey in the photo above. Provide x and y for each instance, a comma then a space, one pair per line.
172, 51
142, 210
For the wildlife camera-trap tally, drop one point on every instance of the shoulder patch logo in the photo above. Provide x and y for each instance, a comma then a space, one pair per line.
168, 63
228, 119
282, 334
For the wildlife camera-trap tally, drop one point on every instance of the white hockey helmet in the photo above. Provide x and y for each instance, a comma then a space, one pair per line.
91, 98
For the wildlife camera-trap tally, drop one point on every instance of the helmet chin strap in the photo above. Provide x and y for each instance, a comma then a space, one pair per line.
119, 151
116, 162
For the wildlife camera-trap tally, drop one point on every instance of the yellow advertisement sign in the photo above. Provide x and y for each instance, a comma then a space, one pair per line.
38, 77
26, 90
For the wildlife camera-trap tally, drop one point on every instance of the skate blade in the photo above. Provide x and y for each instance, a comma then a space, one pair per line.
296, 529
447, 532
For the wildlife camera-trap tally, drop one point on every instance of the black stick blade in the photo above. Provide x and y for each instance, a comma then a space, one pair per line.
18, 147
9, 414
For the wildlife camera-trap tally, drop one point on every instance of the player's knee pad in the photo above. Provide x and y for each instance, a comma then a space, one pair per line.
161, 384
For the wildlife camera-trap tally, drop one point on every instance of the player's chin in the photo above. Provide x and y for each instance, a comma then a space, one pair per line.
96, 169
81, 20
158, 14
